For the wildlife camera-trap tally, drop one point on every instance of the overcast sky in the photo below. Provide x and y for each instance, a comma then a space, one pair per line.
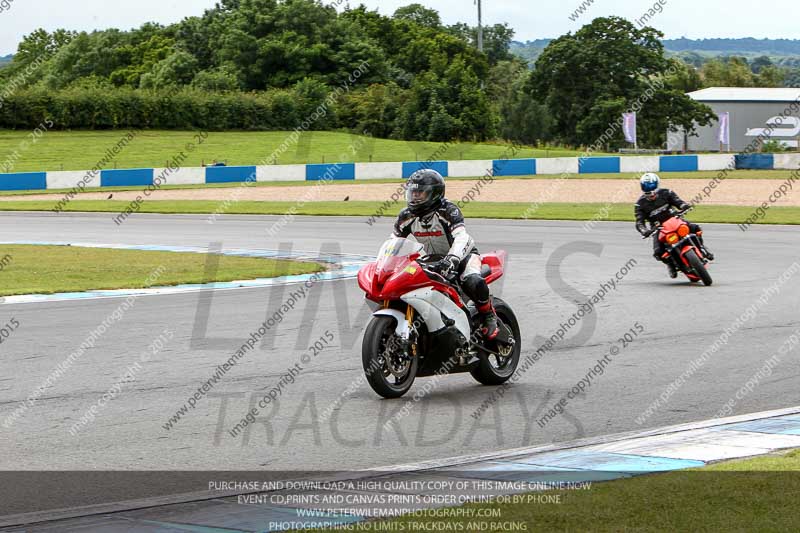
532, 19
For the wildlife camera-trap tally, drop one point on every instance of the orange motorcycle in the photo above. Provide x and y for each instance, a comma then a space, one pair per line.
682, 248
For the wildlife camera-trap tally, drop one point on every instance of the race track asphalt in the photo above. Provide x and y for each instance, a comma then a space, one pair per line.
554, 267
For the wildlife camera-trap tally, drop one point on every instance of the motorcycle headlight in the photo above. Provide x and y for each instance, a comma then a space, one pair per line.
672, 238
683, 231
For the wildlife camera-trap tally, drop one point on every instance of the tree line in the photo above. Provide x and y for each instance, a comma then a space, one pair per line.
719, 62
267, 64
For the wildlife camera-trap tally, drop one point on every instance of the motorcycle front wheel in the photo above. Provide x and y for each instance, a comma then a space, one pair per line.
699, 268
388, 370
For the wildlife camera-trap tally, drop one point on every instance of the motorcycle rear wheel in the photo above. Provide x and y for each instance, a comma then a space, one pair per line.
379, 332
497, 373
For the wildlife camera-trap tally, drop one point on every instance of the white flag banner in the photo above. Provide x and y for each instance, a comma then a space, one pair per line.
629, 127
725, 128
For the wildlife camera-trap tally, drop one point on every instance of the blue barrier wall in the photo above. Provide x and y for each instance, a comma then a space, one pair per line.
678, 163
350, 171
23, 181
126, 178
230, 174
598, 165
755, 161
342, 171
514, 167
439, 166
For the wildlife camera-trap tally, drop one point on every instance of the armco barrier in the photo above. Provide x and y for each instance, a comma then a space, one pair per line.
439, 166
378, 171
514, 167
640, 164
716, 162
126, 178
678, 163
23, 181
755, 161
557, 165
230, 174
182, 176
787, 161
281, 173
340, 171
396, 170
598, 165
469, 168
69, 179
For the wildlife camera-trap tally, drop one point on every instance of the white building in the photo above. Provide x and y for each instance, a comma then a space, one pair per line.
752, 112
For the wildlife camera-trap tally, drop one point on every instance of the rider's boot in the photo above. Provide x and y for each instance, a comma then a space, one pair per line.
489, 327
673, 272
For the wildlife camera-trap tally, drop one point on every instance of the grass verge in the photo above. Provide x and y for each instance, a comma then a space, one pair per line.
552, 211
81, 150
759, 494
31, 269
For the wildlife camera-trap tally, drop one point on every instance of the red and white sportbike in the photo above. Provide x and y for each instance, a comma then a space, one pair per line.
424, 325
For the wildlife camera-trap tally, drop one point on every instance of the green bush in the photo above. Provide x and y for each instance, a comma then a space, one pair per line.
774, 147
425, 112
185, 108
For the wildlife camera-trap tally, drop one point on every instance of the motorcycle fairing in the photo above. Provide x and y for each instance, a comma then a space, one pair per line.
496, 261
432, 304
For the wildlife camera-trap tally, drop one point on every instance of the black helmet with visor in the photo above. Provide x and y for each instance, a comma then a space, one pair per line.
424, 191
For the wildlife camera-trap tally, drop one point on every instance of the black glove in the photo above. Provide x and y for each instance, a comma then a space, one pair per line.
447, 267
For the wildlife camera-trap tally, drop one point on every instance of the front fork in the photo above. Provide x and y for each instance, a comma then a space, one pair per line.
693, 242
676, 253
413, 330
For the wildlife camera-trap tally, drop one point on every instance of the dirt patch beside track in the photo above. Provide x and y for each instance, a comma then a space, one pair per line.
748, 192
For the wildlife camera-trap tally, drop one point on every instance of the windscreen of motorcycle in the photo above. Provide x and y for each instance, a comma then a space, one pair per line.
394, 253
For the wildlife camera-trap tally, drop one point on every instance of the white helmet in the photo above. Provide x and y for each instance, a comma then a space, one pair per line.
649, 182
